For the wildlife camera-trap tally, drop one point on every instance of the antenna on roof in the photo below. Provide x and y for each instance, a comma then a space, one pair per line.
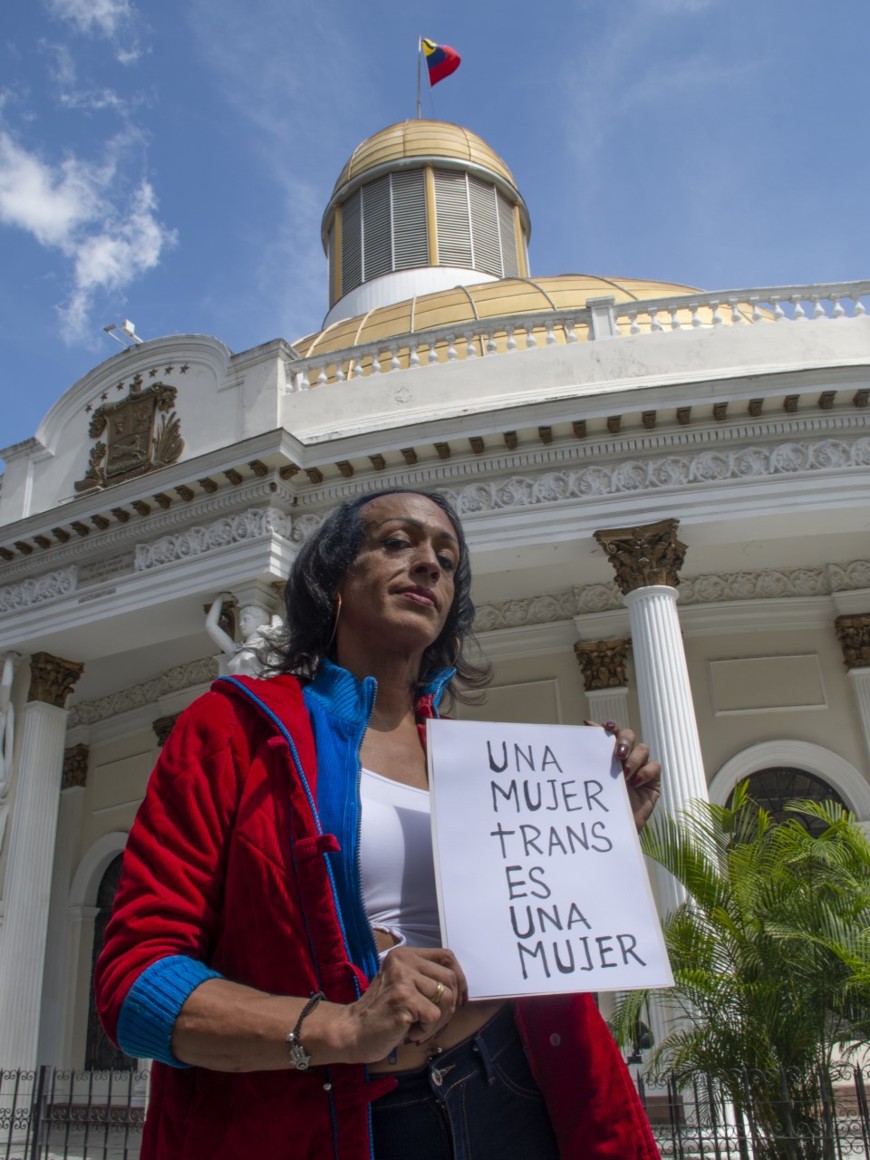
127, 329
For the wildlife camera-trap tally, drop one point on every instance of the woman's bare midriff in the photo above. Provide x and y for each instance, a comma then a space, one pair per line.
465, 1022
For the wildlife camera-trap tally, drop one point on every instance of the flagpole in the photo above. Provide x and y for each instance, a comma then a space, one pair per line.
419, 59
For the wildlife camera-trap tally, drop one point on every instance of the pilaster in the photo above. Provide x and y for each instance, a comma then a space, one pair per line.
57, 984
162, 727
853, 633
27, 886
602, 663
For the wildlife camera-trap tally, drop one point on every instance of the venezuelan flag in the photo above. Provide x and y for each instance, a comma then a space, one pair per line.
441, 60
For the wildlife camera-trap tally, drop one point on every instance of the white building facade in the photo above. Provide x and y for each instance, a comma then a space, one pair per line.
665, 493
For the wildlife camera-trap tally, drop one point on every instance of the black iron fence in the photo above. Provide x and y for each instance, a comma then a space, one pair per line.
98, 1115
755, 1116
71, 1115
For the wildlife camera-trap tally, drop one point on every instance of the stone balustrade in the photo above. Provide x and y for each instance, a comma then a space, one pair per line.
600, 319
479, 339
738, 307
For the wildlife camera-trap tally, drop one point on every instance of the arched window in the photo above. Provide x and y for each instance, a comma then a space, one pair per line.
773, 788
100, 1053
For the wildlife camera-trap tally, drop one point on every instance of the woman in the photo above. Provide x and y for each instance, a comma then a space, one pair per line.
251, 949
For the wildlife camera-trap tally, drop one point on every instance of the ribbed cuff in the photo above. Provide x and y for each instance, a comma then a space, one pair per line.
148, 1014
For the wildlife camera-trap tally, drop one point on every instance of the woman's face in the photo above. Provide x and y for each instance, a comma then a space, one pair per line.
399, 590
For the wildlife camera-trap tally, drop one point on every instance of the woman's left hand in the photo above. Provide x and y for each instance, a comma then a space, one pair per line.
642, 776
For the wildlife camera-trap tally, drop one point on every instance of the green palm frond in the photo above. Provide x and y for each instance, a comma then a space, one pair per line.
771, 949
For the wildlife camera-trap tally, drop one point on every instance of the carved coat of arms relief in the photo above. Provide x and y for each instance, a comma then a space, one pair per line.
135, 435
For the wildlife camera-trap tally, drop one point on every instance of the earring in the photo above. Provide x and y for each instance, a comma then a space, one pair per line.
334, 623
457, 650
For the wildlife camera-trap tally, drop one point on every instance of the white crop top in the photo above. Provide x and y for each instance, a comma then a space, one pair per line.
398, 870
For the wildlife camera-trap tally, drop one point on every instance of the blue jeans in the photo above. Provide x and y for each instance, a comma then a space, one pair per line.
475, 1101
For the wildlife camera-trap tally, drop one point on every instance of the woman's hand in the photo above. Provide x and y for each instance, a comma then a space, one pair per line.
642, 776
227, 1026
410, 1000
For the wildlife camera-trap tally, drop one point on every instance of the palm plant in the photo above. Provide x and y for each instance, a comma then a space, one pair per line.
771, 959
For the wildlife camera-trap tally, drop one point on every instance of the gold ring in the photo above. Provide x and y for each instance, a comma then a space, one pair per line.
439, 991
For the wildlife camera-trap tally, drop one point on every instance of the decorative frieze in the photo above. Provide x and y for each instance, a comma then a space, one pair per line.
853, 633
602, 663
597, 598
253, 524
174, 680
534, 610
36, 590
52, 678
680, 470
162, 727
712, 588
75, 766
644, 556
303, 526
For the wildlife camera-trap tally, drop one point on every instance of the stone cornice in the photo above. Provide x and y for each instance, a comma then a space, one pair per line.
654, 462
236, 528
226, 477
500, 462
129, 536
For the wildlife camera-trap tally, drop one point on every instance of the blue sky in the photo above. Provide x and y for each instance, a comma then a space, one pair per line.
169, 161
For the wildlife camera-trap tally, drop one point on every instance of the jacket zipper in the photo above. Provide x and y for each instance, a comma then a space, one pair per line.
361, 898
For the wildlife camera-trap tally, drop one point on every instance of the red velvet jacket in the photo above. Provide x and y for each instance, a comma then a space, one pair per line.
225, 865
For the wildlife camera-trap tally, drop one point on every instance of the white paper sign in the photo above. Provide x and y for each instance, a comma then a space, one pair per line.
542, 886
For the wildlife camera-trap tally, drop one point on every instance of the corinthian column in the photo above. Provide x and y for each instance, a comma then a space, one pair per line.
603, 665
647, 561
853, 633
27, 884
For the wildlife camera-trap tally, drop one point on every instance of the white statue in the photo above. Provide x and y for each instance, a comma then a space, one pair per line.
7, 723
258, 632
7, 736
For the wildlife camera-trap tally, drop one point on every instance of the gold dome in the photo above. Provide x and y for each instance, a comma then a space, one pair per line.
435, 140
465, 305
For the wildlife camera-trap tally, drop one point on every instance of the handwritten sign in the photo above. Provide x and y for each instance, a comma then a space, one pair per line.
542, 886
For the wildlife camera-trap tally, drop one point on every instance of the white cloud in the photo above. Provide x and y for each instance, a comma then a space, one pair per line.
115, 20
110, 234
105, 17
114, 257
49, 203
71, 94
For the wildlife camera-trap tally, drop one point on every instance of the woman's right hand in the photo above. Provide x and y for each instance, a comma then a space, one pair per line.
410, 1000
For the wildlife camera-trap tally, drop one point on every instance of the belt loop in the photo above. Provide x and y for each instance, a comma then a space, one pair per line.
481, 1047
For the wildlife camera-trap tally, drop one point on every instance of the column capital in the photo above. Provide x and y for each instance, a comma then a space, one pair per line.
75, 767
602, 663
644, 556
162, 727
853, 633
52, 678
